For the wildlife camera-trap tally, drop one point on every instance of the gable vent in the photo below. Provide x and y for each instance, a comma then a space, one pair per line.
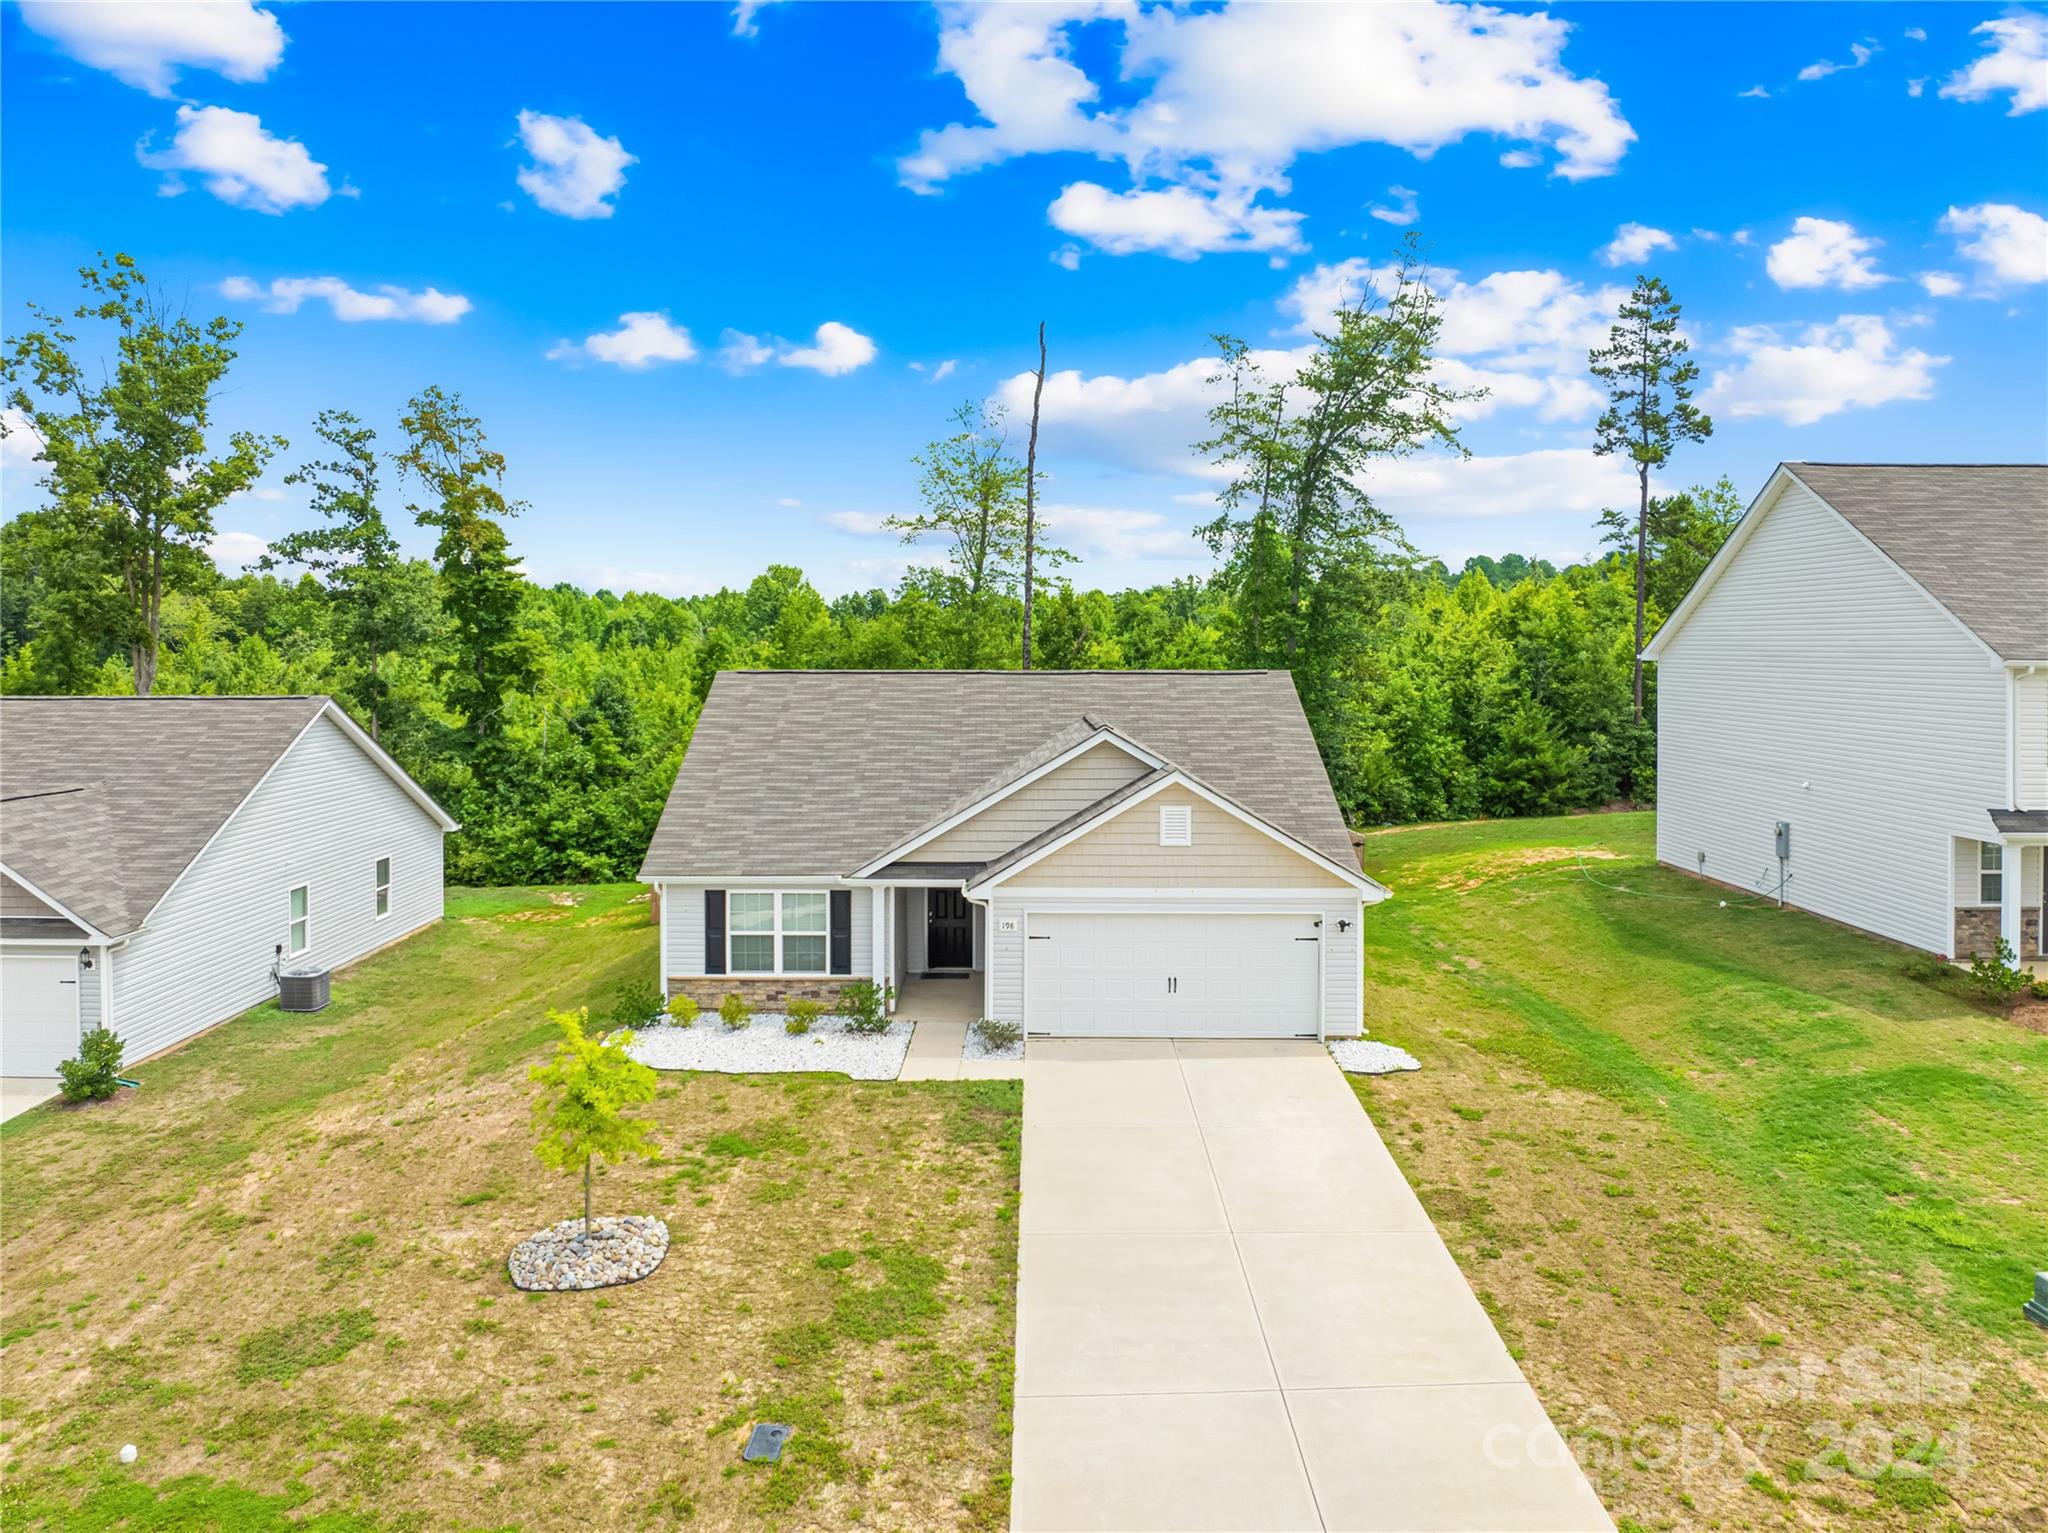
1175, 825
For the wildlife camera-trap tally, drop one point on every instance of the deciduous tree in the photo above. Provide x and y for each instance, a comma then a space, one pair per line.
585, 1088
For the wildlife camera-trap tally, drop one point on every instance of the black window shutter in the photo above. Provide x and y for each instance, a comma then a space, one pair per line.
842, 931
714, 931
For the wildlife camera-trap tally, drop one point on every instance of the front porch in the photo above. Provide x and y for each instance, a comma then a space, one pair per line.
932, 947
2001, 889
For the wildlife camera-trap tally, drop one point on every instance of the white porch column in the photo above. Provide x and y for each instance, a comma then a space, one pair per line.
2011, 885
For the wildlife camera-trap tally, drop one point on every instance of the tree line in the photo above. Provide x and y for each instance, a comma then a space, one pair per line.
550, 720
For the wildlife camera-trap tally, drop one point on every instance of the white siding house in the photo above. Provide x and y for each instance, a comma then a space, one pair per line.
164, 856
1866, 664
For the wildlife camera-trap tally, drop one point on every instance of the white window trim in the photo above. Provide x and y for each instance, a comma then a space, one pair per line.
390, 877
824, 971
290, 920
1986, 852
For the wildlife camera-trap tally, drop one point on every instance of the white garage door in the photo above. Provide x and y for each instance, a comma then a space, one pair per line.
1185, 975
38, 1012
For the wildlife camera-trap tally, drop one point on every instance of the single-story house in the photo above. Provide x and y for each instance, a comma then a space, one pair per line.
1081, 852
160, 857
1852, 703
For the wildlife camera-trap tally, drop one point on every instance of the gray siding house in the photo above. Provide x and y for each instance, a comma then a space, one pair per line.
159, 856
1866, 663
1091, 852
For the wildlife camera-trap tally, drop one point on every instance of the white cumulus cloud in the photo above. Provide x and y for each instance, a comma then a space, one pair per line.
18, 448
1824, 252
1633, 242
1853, 363
834, 350
1940, 284
1198, 118
2016, 63
643, 340
146, 43
284, 295
1175, 221
575, 171
2009, 244
1102, 532
236, 551
240, 163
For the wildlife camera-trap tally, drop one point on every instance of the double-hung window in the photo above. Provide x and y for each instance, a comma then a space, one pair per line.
751, 932
776, 933
383, 887
1991, 872
299, 929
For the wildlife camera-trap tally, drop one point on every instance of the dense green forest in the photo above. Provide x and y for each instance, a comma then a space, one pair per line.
550, 720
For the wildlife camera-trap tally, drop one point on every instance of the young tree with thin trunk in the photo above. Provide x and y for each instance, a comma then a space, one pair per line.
133, 483
482, 586
1031, 494
584, 1087
354, 555
1649, 377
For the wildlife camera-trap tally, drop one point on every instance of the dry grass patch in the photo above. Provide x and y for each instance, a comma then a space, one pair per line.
297, 1304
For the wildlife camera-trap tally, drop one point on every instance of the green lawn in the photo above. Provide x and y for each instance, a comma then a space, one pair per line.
1694, 1156
279, 1270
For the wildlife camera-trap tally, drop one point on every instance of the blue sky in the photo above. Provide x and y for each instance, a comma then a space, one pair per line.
835, 222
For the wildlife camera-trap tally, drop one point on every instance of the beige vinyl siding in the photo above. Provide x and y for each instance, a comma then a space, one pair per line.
1343, 975
1038, 806
17, 901
685, 904
1814, 684
2030, 737
322, 818
1123, 852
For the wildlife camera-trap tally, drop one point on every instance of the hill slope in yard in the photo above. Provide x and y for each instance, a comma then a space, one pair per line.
279, 1269
1756, 1210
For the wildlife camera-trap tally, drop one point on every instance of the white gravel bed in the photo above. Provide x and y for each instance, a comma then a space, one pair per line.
976, 1049
1361, 1056
621, 1249
762, 1047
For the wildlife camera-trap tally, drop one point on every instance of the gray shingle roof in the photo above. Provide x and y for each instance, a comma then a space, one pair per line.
1974, 534
817, 772
105, 800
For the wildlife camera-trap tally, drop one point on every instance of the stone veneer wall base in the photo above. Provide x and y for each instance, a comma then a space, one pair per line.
763, 992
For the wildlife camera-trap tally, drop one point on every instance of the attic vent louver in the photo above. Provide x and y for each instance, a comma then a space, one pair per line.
1175, 825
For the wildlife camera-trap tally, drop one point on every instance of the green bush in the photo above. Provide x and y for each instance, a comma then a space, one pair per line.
635, 1003
1998, 977
734, 1012
91, 1076
2040, 989
996, 1034
682, 1011
1928, 968
865, 1005
803, 1016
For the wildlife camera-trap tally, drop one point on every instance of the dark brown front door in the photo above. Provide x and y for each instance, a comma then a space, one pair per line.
949, 930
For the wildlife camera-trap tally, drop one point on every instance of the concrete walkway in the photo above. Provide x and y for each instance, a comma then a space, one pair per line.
18, 1093
1233, 1314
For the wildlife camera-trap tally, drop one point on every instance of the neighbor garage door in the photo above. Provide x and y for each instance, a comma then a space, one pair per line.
1127, 974
38, 1011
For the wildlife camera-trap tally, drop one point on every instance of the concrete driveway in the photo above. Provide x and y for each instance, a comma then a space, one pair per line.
18, 1093
1233, 1314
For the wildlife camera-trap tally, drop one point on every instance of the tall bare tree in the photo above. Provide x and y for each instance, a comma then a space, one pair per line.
1649, 380
1031, 493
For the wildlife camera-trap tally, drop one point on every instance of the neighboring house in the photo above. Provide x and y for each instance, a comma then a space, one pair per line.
1083, 852
160, 855
1866, 662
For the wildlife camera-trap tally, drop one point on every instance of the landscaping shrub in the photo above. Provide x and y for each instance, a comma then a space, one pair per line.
865, 1006
91, 1076
1998, 977
996, 1034
635, 1003
682, 1011
734, 1012
803, 1016
1928, 968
